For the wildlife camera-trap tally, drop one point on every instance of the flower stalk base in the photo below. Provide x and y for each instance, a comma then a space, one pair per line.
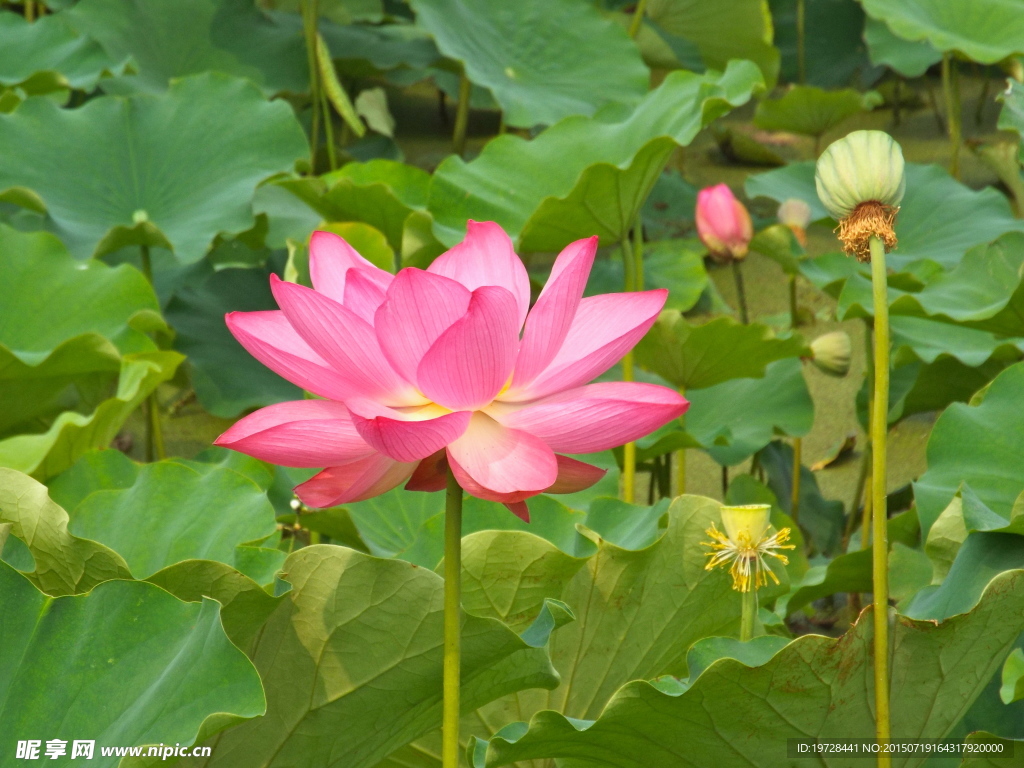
869, 220
452, 622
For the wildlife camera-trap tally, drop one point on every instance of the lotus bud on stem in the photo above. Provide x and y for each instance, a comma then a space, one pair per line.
744, 547
725, 228
831, 353
860, 180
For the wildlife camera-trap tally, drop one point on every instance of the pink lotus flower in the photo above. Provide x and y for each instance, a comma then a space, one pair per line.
723, 223
447, 367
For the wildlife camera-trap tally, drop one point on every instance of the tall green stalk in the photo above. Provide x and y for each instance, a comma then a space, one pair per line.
452, 622
741, 293
638, 17
679, 475
155, 450
748, 611
794, 500
951, 92
801, 62
629, 272
462, 116
309, 16
880, 548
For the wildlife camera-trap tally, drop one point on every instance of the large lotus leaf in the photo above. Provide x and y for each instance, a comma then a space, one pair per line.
542, 59
127, 664
978, 444
909, 58
227, 379
815, 687
735, 419
512, 177
62, 564
812, 111
986, 31
637, 611
170, 170
230, 36
174, 512
382, 193
737, 29
48, 55
71, 434
700, 356
924, 228
383, 46
677, 265
354, 631
66, 323
833, 49
981, 558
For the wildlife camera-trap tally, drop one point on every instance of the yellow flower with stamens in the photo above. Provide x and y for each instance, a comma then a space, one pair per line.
745, 546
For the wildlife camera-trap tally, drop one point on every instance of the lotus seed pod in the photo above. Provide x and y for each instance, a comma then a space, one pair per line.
831, 353
860, 181
746, 524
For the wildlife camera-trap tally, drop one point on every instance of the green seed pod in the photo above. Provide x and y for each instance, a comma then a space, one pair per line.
860, 181
831, 353
862, 167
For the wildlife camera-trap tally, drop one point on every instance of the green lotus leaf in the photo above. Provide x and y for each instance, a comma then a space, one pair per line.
700, 356
61, 563
909, 58
976, 444
543, 61
669, 210
833, 48
814, 687
338, 11
677, 265
230, 36
736, 30
986, 31
380, 47
170, 170
513, 181
152, 526
735, 419
981, 558
353, 630
45, 454
924, 227
812, 111
991, 759
67, 325
637, 611
48, 55
1013, 677
227, 379
143, 666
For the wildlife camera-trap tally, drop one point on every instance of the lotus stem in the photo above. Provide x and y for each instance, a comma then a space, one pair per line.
897, 96
452, 622
748, 610
801, 61
332, 156
794, 310
309, 31
155, 450
638, 17
880, 549
979, 113
794, 507
629, 271
679, 459
462, 115
30, 10
935, 106
951, 92
741, 294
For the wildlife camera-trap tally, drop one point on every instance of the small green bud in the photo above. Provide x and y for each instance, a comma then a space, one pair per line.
831, 353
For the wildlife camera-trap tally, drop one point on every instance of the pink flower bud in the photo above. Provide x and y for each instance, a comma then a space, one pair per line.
723, 223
